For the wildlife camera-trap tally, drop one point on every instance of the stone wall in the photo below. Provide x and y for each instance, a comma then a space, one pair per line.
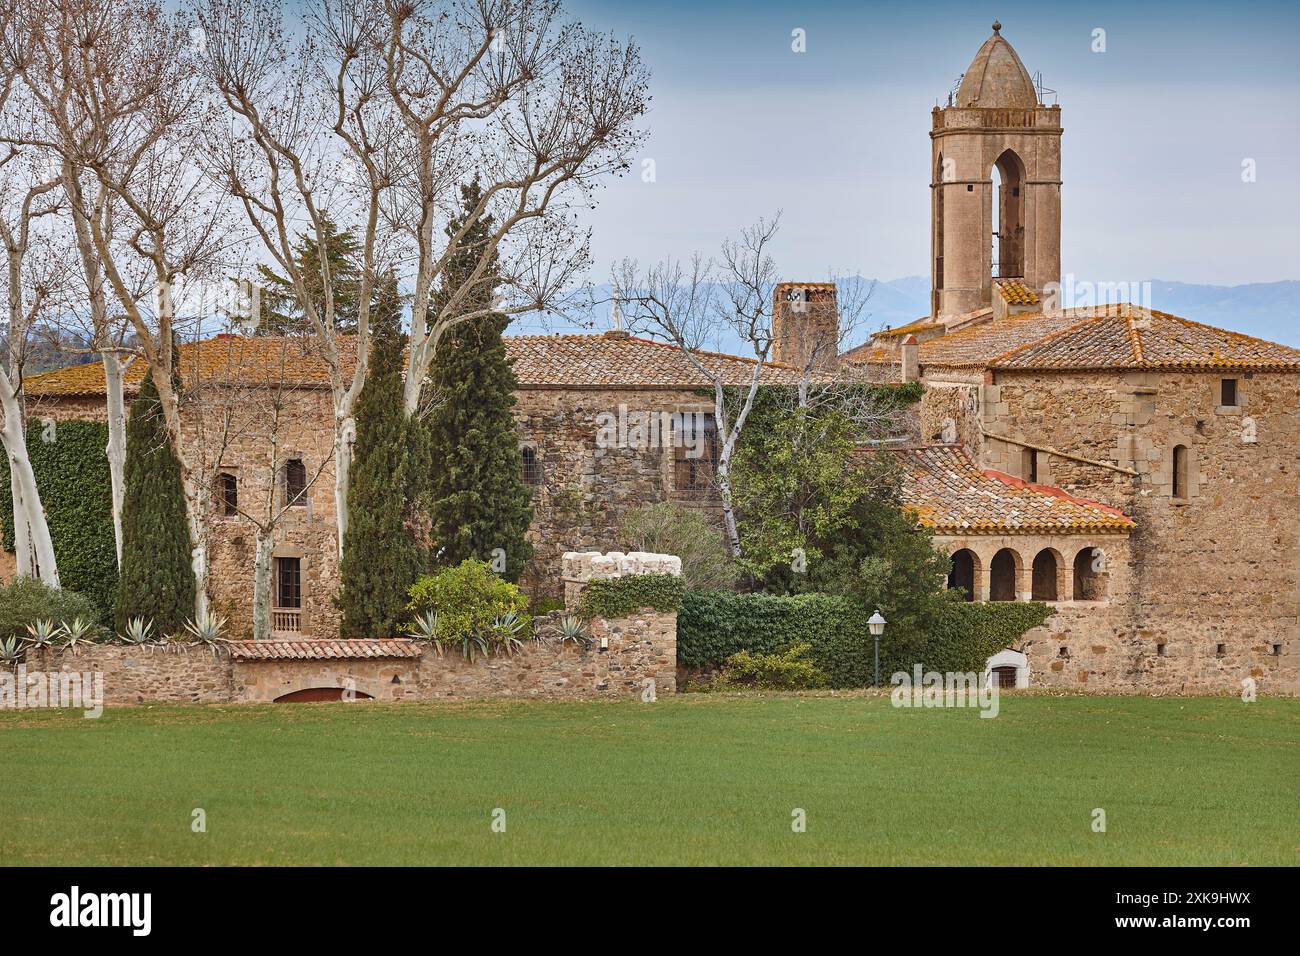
634, 654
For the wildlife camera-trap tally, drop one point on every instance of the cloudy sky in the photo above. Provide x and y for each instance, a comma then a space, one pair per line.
1156, 130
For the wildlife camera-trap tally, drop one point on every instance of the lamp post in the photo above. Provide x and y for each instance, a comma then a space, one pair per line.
876, 624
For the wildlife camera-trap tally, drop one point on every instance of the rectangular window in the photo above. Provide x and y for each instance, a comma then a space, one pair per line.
695, 455
227, 495
532, 468
295, 482
1180, 471
1228, 393
1030, 465
288, 583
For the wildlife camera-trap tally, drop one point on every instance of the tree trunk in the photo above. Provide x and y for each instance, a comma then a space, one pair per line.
29, 515
22, 533
116, 450
262, 584
345, 432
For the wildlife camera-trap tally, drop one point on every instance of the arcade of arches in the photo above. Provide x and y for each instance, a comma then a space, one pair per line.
1032, 570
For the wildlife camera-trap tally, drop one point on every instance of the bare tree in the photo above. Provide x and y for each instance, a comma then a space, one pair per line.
691, 306
384, 110
118, 95
28, 194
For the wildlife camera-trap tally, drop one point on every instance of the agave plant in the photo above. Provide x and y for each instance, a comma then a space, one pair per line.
506, 631
574, 630
43, 633
206, 628
11, 651
79, 631
138, 631
473, 646
425, 627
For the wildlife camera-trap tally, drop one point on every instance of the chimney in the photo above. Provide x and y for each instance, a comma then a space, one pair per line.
805, 324
911, 359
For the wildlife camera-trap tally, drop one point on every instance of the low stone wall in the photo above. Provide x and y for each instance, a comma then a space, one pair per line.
635, 654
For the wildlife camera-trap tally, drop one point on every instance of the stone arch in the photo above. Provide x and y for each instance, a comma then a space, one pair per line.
964, 571
1008, 174
313, 695
1004, 659
1045, 576
1090, 575
1004, 575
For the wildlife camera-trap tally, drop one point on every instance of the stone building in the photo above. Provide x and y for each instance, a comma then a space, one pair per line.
1137, 470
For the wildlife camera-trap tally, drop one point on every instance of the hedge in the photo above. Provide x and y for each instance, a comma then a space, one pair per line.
618, 597
713, 625
76, 491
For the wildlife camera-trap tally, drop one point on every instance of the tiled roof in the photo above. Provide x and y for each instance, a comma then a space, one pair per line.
320, 650
979, 345
920, 325
1015, 292
1133, 337
950, 495
540, 361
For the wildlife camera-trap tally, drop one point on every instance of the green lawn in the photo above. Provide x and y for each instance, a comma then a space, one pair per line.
701, 779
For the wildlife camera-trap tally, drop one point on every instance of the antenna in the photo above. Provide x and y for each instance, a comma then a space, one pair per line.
1038, 85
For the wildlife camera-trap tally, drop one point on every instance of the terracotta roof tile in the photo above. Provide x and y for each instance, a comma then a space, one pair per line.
540, 361
949, 494
280, 650
1015, 292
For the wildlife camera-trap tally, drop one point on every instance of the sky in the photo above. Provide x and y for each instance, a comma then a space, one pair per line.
837, 138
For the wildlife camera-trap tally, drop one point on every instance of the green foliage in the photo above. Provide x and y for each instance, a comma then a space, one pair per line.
76, 492
670, 528
381, 556
476, 499
458, 606
619, 597
714, 625
157, 577
282, 312
25, 601
789, 669
546, 605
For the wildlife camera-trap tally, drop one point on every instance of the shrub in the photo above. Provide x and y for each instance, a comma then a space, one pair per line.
618, 597
671, 528
25, 601
789, 669
714, 625
464, 603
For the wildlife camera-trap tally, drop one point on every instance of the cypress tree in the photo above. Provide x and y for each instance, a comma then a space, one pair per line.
477, 500
156, 579
381, 556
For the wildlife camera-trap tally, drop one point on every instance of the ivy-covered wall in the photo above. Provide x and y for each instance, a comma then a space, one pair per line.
72, 475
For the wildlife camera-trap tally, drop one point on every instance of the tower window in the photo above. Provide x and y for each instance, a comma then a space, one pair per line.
288, 583
1228, 393
970, 188
1029, 465
295, 482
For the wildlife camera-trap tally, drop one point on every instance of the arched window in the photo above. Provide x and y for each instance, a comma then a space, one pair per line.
939, 180
1002, 576
962, 575
1044, 576
1089, 575
532, 468
227, 495
1180, 471
1008, 217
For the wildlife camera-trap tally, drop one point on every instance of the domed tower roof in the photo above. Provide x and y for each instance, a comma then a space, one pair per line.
996, 78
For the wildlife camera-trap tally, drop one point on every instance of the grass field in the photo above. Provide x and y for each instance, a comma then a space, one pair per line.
695, 779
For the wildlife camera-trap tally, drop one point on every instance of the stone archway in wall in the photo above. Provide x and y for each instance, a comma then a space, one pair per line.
1008, 664
313, 695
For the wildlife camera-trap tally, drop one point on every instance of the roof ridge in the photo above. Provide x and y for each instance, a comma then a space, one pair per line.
1044, 339
1215, 328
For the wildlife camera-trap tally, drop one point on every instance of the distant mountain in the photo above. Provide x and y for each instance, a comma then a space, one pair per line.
1267, 310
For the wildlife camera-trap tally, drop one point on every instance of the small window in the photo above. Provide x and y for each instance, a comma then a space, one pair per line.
1063, 651
1180, 472
1275, 650
1220, 649
532, 468
227, 495
1228, 393
288, 583
1029, 465
1162, 650
970, 189
295, 482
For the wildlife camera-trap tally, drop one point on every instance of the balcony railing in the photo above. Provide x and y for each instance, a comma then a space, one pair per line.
286, 621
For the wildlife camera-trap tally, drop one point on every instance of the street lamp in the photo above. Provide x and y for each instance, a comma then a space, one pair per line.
876, 625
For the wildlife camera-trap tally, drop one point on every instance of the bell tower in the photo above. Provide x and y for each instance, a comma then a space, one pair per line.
995, 184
